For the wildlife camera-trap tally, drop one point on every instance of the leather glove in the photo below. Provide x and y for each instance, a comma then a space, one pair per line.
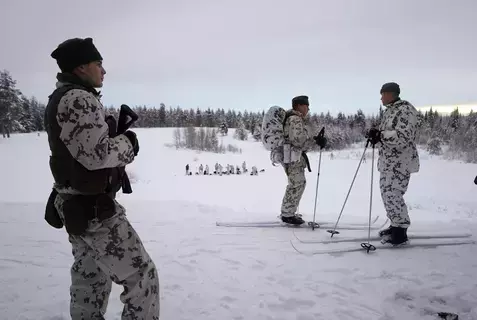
374, 136
133, 138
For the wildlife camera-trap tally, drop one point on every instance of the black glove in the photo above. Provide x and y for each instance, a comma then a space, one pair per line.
475, 180
133, 138
374, 136
112, 126
320, 139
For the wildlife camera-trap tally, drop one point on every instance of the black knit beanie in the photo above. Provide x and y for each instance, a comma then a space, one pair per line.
75, 52
390, 87
300, 100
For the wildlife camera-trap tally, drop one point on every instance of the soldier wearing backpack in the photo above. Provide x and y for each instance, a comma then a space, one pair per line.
288, 137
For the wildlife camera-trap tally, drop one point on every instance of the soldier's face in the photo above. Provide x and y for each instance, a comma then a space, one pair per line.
387, 97
303, 109
93, 72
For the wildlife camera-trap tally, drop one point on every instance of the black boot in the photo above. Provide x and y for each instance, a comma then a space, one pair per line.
385, 232
296, 220
398, 236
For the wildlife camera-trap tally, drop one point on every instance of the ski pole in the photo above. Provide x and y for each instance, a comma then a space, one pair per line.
333, 232
368, 246
321, 133
316, 192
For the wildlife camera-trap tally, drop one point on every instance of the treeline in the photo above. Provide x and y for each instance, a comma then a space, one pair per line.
17, 112
456, 131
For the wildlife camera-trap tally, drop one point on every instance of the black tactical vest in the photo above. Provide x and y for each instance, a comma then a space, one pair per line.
66, 171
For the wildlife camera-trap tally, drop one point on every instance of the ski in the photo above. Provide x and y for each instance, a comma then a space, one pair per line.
307, 224
267, 224
377, 238
381, 246
287, 225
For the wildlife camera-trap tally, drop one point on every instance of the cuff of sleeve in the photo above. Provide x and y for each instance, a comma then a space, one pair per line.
128, 141
389, 135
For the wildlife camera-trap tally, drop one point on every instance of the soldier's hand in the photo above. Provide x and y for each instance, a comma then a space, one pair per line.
133, 138
320, 140
374, 136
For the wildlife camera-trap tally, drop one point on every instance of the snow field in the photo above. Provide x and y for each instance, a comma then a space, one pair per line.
210, 272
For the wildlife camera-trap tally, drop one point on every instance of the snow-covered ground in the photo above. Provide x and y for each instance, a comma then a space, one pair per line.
210, 272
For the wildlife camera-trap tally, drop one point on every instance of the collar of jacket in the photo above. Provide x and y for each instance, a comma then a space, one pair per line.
394, 102
65, 78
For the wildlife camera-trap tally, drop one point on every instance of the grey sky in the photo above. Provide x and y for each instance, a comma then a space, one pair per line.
251, 54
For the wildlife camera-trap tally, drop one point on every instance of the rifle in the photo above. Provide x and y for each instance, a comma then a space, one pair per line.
127, 117
123, 123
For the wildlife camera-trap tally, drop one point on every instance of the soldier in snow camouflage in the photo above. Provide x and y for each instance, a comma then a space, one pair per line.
398, 159
298, 139
84, 160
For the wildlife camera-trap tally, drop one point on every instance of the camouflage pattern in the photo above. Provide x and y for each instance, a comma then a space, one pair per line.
398, 158
295, 187
109, 250
393, 186
298, 132
297, 135
272, 128
86, 134
398, 148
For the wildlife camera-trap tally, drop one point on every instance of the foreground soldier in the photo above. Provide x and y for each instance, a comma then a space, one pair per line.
398, 159
85, 163
300, 140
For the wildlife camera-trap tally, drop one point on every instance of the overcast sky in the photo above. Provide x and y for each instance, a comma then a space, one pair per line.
251, 54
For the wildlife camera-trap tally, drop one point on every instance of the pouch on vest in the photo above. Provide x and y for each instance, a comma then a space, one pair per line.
51, 214
291, 154
79, 210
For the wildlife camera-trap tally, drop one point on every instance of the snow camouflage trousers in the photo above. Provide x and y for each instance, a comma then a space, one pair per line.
111, 251
295, 188
393, 185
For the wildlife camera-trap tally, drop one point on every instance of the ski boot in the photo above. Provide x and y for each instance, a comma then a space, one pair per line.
397, 237
295, 220
385, 234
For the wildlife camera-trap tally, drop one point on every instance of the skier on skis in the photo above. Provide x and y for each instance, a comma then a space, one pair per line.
85, 163
398, 159
297, 133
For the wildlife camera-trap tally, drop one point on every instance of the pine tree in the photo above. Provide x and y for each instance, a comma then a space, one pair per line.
9, 104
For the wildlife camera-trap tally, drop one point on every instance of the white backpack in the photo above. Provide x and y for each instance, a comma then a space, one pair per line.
273, 135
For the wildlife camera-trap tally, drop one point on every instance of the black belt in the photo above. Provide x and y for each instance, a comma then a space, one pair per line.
305, 156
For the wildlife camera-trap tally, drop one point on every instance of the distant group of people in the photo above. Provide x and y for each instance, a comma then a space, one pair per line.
221, 170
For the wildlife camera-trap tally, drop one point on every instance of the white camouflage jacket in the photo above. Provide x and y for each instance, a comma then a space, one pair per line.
398, 148
298, 137
86, 134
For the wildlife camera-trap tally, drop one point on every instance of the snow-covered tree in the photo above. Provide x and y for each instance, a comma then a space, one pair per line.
241, 133
434, 146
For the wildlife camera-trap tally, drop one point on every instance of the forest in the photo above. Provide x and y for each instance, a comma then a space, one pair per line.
453, 135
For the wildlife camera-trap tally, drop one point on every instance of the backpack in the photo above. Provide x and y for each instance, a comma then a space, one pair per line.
273, 135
